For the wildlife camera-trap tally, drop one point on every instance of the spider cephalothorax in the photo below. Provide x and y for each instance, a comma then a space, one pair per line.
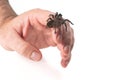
56, 21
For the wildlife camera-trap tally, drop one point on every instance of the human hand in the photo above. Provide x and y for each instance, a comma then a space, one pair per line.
27, 33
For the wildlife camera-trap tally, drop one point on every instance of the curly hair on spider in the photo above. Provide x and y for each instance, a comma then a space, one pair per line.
56, 21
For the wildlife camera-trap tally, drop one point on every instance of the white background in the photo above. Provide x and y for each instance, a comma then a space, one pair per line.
96, 53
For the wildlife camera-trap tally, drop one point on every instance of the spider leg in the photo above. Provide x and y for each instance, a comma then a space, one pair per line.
51, 16
68, 21
56, 14
65, 25
61, 33
49, 19
60, 16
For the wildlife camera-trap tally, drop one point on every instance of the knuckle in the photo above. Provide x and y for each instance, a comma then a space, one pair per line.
36, 10
66, 56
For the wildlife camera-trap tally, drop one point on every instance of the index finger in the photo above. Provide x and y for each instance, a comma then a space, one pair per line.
65, 44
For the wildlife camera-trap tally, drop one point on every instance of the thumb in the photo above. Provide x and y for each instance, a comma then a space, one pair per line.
29, 51
25, 48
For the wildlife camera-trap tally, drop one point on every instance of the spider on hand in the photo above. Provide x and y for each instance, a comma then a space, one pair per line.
56, 21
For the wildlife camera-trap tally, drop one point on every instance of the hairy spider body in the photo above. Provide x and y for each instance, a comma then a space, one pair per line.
56, 21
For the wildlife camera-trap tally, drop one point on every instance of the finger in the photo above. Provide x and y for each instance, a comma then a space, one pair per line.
68, 43
65, 44
63, 39
65, 60
66, 56
24, 48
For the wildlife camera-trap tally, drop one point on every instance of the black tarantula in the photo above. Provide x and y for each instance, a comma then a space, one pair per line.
56, 21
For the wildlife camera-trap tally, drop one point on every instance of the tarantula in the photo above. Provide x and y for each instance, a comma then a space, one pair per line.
56, 21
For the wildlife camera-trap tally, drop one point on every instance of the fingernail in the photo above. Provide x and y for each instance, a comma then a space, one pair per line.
35, 56
65, 63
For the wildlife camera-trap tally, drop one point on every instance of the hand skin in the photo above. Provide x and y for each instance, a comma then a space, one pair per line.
27, 33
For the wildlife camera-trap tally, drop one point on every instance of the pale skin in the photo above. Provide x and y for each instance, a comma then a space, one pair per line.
27, 33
